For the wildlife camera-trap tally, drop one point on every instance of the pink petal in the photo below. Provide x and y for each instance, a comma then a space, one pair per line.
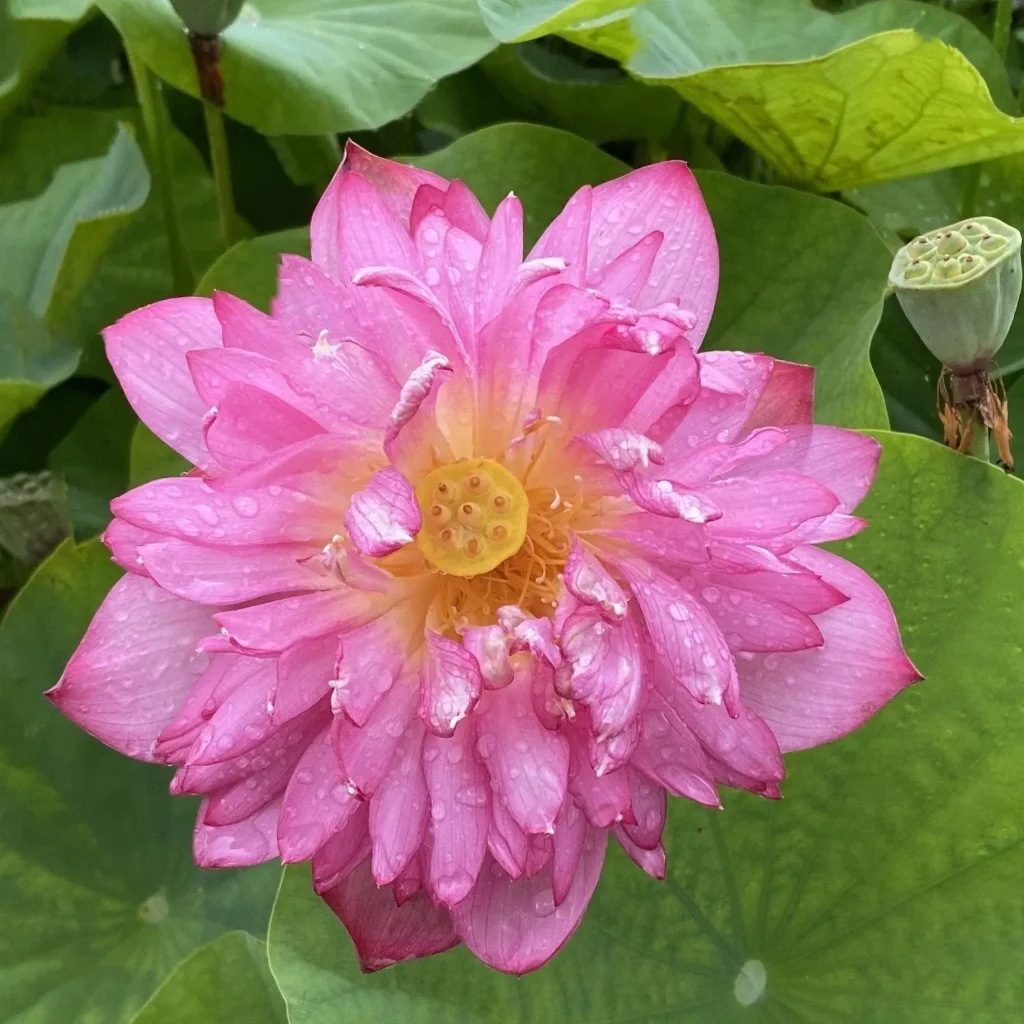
530, 634
812, 697
489, 645
567, 235
384, 933
500, 258
672, 542
463, 209
459, 811
190, 509
344, 851
411, 292
220, 576
304, 675
529, 765
225, 673
242, 719
359, 350
607, 669
508, 844
515, 925
274, 626
124, 541
134, 667
663, 497
661, 197
670, 754
789, 583
745, 743
597, 377
384, 515
398, 809
366, 752
268, 775
352, 227
650, 805
731, 384
604, 799
624, 278
650, 861
249, 424
246, 332
588, 580
610, 752
623, 449
396, 183
768, 505
844, 461
752, 622
242, 844
317, 803
726, 776
147, 350
540, 317
215, 370
686, 638
371, 659
665, 403
788, 397
570, 834
450, 684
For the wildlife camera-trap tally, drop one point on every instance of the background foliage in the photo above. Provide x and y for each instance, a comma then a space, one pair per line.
886, 887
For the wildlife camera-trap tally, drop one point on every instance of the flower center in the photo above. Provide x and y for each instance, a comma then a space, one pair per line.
474, 516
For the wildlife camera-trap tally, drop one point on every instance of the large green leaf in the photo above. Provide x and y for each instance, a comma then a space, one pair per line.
601, 104
55, 10
26, 47
32, 360
49, 247
307, 66
224, 982
51, 243
889, 89
100, 896
803, 278
884, 888
513, 20
135, 270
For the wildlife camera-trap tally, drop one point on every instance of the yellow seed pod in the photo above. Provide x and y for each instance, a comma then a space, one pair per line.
474, 516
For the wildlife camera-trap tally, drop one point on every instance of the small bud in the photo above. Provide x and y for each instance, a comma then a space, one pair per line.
207, 17
959, 287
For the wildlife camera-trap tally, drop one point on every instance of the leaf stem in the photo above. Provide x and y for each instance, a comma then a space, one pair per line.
1001, 27
157, 122
221, 164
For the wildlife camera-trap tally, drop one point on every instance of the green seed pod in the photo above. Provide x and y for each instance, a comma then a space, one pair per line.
207, 17
959, 287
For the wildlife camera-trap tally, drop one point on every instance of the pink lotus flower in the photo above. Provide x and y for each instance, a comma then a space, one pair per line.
479, 560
